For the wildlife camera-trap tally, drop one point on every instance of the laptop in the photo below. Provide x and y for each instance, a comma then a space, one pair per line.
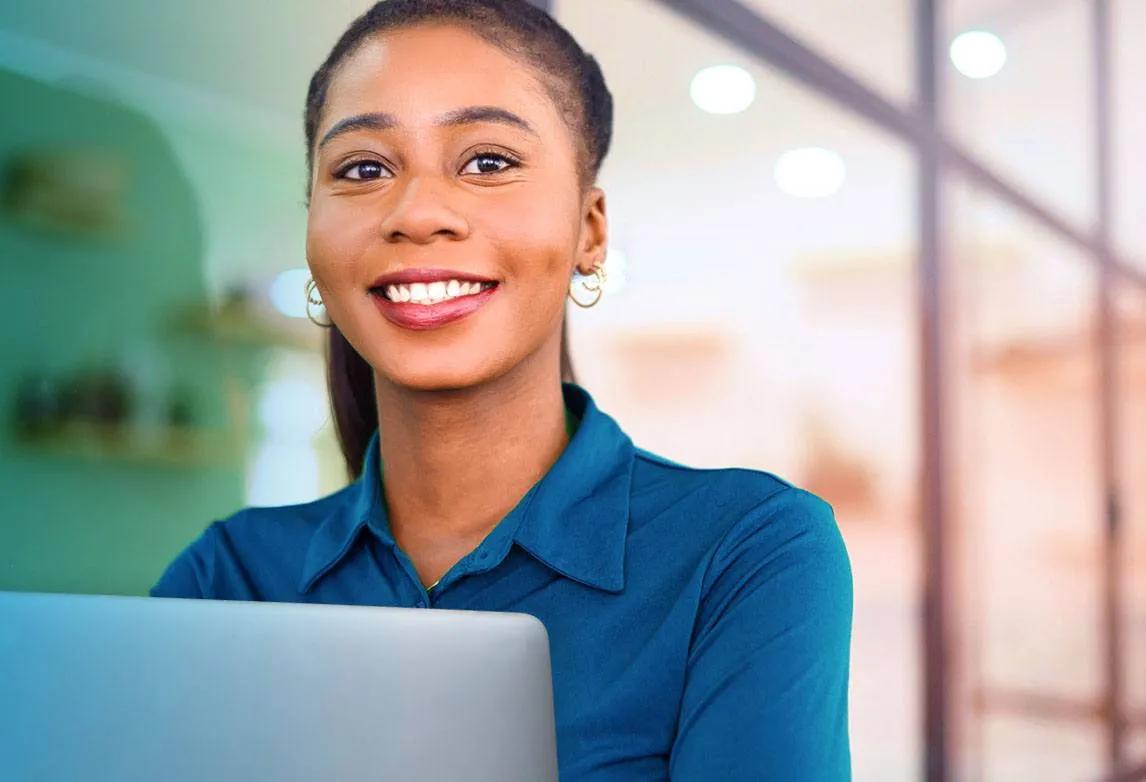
100, 687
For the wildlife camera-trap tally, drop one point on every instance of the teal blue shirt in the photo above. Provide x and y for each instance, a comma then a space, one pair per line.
699, 620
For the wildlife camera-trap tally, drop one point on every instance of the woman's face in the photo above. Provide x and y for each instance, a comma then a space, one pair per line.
447, 154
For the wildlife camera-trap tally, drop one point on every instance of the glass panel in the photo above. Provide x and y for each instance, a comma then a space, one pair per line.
1047, 751
1130, 306
1129, 61
872, 40
773, 331
1027, 486
1136, 747
1033, 119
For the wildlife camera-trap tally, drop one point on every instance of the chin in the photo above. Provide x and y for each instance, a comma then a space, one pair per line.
423, 375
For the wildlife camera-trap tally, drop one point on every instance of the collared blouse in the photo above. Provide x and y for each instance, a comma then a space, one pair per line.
699, 620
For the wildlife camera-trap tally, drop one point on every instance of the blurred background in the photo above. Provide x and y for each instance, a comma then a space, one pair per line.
891, 250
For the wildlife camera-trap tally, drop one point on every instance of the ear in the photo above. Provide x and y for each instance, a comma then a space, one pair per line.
593, 242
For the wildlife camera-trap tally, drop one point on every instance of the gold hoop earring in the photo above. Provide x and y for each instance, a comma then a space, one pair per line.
314, 298
596, 285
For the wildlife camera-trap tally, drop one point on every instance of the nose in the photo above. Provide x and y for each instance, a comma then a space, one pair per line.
421, 212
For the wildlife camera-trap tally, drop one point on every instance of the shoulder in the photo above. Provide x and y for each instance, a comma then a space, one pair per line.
768, 655
745, 523
270, 525
249, 540
732, 502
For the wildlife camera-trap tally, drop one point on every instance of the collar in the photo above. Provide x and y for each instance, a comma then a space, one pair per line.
575, 519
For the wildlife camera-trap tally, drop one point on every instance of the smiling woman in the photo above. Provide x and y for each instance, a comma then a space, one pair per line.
699, 620
511, 153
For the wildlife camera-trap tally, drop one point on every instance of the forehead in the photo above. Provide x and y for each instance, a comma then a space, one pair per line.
424, 71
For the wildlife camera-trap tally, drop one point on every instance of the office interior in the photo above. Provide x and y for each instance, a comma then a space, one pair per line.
891, 251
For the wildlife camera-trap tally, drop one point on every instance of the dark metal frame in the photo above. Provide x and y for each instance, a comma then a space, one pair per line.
938, 712
922, 128
1108, 347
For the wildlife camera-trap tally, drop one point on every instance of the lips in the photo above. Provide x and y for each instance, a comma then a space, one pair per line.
421, 316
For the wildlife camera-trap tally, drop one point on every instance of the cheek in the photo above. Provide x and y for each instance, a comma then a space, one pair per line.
537, 237
335, 238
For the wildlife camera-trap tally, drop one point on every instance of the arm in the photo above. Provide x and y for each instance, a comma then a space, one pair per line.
766, 686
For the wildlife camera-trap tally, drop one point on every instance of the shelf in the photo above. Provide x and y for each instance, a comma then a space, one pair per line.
1050, 352
681, 342
170, 446
247, 329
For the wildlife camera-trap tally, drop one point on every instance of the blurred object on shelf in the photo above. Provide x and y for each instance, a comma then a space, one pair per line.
170, 446
844, 479
237, 299
100, 395
649, 360
180, 408
39, 404
239, 321
80, 192
679, 341
93, 414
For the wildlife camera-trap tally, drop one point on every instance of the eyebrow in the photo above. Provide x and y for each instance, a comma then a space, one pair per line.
464, 116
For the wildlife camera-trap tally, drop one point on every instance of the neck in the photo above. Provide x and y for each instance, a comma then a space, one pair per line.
456, 462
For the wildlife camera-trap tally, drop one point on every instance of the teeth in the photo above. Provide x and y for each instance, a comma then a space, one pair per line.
432, 293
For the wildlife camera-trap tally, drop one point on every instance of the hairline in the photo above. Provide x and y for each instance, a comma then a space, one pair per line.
556, 88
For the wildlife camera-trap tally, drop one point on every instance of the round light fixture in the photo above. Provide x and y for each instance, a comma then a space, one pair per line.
978, 54
810, 172
723, 89
288, 294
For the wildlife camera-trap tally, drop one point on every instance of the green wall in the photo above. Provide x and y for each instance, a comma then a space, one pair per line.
102, 526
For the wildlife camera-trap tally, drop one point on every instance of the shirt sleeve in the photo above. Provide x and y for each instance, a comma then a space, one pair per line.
766, 688
191, 573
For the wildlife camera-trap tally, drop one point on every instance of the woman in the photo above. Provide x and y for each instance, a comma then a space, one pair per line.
699, 620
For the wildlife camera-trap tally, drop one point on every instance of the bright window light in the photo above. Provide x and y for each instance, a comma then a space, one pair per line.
723, 89
282, 473
292, 409
810, 172
288, 292
978, 54
615, 265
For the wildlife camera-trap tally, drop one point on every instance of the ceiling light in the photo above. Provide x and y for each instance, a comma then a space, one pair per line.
723, 89
810, 172
978, 54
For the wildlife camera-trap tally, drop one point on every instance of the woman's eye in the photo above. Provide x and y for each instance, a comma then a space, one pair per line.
488, 163
367, 169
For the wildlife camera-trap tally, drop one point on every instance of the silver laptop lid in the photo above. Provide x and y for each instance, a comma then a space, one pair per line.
139, 688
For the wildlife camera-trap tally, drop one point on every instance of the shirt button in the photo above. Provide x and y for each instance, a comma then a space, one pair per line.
483, 555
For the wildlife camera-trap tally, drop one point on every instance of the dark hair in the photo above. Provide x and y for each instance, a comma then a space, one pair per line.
574, 81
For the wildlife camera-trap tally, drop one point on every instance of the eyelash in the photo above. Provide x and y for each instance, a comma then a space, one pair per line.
510, 159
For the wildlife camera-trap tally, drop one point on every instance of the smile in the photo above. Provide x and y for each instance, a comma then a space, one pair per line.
419, 306
427, 294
